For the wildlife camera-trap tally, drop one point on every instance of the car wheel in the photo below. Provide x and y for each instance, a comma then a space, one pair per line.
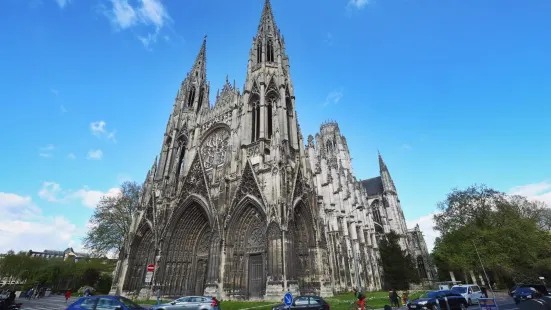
470, 302
434, 307
463, 306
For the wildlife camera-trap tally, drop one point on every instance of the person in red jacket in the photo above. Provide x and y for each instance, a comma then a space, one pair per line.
67, 295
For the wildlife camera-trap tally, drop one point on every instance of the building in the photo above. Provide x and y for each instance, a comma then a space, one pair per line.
420, 252
237, 206
69, 253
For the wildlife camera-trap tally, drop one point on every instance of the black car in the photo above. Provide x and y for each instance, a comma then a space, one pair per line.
527, 292
306, 303
445, 300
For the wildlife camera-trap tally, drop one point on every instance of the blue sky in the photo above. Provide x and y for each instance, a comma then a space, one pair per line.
452, 92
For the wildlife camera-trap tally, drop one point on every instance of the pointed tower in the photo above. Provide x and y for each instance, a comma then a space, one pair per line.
268, 93
388, 184
393, 208
194, 92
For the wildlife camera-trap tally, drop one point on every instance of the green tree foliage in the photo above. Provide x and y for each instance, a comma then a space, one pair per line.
57, 273
111, 221
511, 233
398, 266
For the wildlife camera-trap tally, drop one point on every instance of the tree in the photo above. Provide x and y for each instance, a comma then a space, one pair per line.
510, 233
110, 223
398, 267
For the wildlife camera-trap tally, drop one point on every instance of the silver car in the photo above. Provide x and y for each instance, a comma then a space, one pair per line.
190, 303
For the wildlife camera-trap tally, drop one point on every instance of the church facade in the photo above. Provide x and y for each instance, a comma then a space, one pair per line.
237, 205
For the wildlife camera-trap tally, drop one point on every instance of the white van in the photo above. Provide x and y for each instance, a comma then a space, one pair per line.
471, 292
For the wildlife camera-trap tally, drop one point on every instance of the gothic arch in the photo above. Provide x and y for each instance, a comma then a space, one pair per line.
142, 253
213, 128
183, 205
301, 261
245, 237
186, 249
376, 212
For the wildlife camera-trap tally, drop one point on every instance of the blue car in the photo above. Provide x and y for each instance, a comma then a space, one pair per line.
104, 303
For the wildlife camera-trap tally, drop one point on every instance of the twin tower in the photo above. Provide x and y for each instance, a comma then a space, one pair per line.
237, 205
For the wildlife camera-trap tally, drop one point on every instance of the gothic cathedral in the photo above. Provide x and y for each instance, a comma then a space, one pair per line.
239, 207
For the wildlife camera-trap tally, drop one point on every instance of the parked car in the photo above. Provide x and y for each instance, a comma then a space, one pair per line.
525, 292
435, 300
471, 292
306, 303
190, 303
104, 303
540, 287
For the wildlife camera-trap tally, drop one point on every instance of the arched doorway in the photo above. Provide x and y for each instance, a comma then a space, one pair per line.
186, 253
245, 275
303, 246
142, 253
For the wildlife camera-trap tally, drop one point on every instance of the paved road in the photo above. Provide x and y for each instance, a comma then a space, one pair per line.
45, 303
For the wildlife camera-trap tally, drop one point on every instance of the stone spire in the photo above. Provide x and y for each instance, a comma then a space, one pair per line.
388, 183
199, 68
267, 21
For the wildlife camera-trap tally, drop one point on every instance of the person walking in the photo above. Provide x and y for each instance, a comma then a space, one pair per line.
395, 299
67, 295
361, 299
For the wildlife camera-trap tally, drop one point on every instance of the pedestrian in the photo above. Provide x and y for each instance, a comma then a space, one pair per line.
395, 299
67, 295
158, 295
30, 293
87, 292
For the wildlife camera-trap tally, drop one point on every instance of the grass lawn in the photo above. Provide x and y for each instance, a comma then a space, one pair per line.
375, 300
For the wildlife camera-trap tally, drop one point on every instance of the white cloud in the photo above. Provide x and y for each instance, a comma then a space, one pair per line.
46, 151
537, 191
62, 3
148, 13
95, 154
333, 97
52, 192
406, 147
23, 226
426, 225
62, 109
71, 156
358, 4
99, 129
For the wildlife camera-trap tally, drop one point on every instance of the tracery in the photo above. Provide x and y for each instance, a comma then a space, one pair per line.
142, 253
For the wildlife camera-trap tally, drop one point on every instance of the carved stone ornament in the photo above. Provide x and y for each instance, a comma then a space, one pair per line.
253, 150
195, 181
214, 148
247, 186
257, 237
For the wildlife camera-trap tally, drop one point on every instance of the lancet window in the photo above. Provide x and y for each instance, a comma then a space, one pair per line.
200, 102
272, 98
255, 117
259, 52
289, 107
191, 97
270, 51
181, 155
377, 218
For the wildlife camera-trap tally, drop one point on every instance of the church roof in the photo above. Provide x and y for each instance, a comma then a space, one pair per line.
373, 186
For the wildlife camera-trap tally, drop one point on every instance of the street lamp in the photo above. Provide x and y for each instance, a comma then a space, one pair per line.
356, 268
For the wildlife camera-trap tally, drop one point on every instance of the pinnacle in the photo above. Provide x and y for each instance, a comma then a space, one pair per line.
200, 64
267, 21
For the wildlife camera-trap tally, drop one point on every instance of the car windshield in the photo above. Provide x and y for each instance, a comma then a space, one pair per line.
459, 289
129, 303
429, 295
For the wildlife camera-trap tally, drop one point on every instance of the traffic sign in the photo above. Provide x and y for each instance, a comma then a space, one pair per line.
288, 299
150, 267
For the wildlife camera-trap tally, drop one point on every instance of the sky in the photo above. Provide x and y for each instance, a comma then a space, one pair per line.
451, 92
